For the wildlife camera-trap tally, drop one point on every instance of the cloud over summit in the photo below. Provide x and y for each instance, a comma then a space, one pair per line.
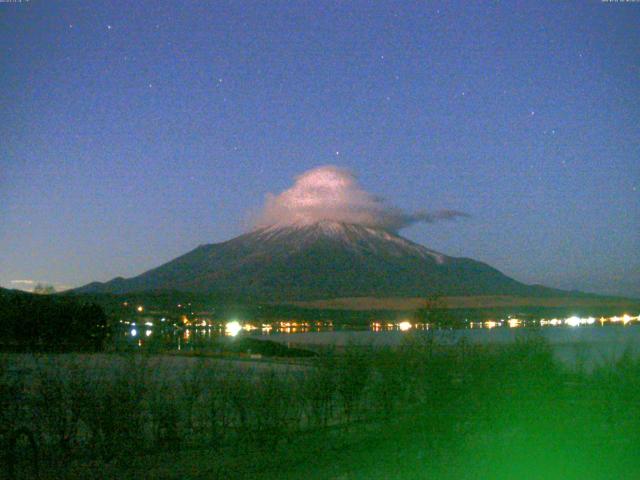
333, 193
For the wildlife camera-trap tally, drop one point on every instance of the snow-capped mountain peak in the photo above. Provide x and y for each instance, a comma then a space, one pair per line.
355, 237
320, 260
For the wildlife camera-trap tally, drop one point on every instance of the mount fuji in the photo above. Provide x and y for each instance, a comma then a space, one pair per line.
320, 260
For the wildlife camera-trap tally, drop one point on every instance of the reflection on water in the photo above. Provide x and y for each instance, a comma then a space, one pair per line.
164, 333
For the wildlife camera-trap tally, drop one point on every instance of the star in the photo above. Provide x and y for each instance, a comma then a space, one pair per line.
109, 27
337, 153
532, 113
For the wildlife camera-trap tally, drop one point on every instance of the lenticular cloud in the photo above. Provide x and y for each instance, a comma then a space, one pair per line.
332, 194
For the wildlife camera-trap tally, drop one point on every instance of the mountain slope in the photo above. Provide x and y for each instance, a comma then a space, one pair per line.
321, 260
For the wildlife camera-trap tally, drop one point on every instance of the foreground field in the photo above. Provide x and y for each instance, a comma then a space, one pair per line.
421, 410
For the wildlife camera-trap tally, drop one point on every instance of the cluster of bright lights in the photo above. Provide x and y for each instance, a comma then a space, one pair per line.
404, 326
624, 319
554, 322
572, 321
577, 321
232, 328
486, 324
514, 322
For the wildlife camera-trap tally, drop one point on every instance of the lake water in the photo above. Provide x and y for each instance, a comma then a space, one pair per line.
575, 341
584, 345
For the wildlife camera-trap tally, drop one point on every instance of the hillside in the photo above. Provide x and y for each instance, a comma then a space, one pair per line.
321, 261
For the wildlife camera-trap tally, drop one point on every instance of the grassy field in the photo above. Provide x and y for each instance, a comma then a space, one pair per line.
422, 410
488, 301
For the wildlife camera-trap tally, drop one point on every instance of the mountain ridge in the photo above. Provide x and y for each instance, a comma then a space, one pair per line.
321, 260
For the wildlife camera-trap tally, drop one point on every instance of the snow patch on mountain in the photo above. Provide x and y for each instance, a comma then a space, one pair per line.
356, 237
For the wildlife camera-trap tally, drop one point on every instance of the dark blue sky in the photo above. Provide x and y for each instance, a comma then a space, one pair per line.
134, 131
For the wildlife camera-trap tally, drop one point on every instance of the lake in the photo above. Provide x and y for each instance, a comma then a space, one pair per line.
586, 345
576, 341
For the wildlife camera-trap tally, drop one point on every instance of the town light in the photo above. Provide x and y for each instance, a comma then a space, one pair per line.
404, 326
233, 328
572, 321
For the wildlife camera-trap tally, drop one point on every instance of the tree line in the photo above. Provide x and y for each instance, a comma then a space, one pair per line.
50, 323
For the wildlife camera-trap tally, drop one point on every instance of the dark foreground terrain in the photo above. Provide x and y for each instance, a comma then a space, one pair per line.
419, 411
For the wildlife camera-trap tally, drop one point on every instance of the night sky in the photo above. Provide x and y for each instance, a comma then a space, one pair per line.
134, 131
